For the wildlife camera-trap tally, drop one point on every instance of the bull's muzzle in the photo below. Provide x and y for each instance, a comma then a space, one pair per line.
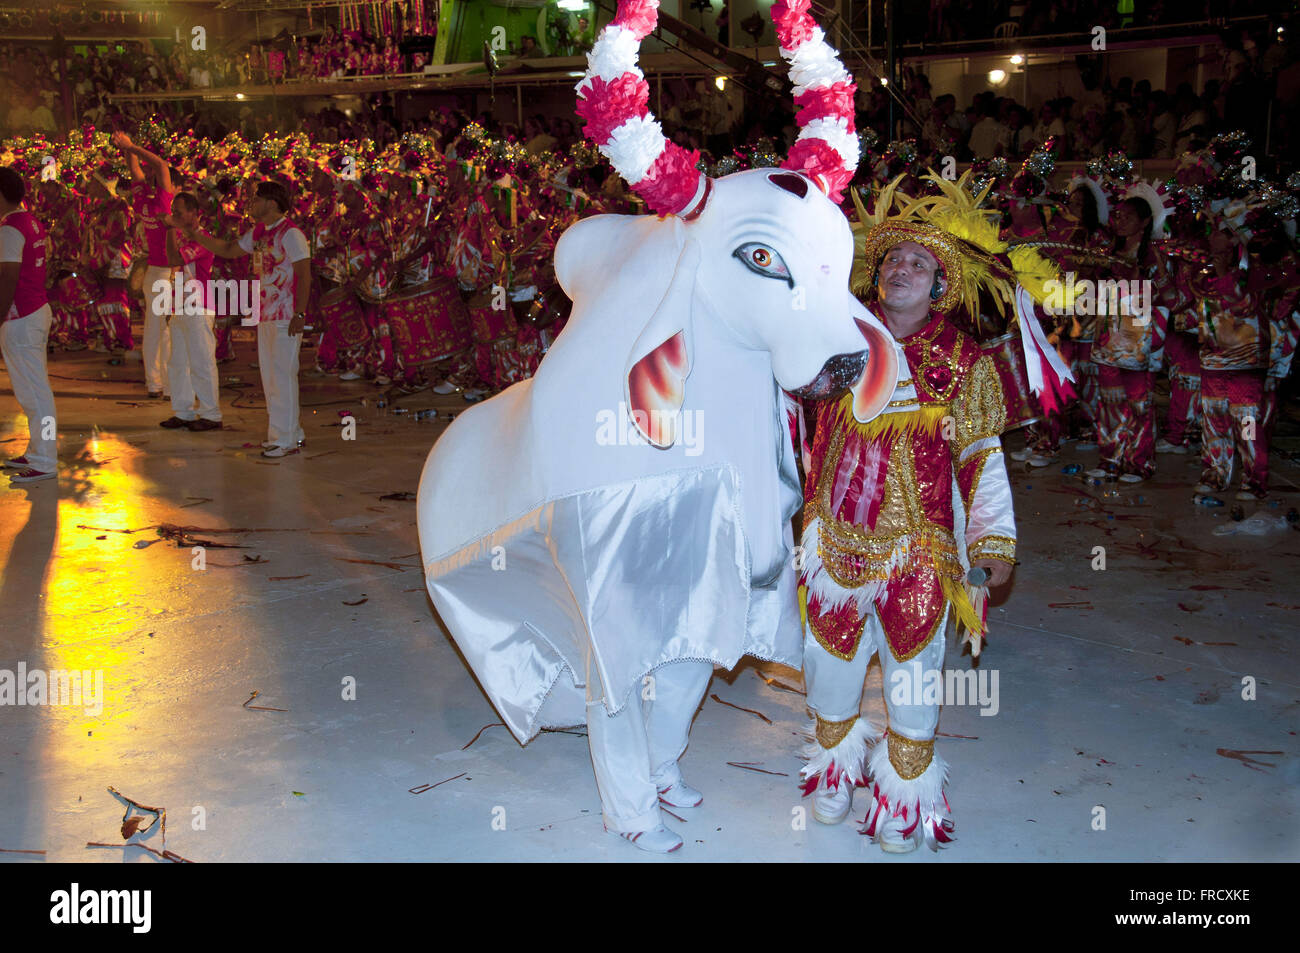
836, 376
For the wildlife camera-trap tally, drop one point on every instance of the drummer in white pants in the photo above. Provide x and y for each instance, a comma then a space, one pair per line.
282, 268
192, 366
152, 190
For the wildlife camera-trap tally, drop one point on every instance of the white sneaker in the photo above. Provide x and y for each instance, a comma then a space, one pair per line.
446, 387
1038, 460
1097, 473
349, 376
1246, 496
832, 806
1205, 489
1164, 446
279, 451
680, 794
1020, 456
659, 840
1130, 478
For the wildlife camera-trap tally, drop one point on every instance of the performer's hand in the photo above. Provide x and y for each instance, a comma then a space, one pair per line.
296, 325
999, 571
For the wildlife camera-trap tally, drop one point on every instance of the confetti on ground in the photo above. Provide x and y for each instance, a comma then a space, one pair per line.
259, 707
756, 714
753, 766
421, 788
1247, 761
495, 724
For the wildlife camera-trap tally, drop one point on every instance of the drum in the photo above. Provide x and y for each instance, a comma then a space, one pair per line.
428, 323
1008, 357
343, 324
72, 299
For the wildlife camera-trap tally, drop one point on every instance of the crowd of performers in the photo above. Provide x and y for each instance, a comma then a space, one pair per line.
1194, 277
430, 265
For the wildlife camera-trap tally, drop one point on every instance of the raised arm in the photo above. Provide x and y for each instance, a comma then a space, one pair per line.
134, 154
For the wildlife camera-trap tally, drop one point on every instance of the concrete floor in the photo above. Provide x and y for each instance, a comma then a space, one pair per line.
1119, 689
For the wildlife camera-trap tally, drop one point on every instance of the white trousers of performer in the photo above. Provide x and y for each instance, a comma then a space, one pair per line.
635, 752
157, 338
277, 359
192, 367
22, 343
835, 685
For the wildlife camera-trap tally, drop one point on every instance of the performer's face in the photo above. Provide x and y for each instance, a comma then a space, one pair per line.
907, 276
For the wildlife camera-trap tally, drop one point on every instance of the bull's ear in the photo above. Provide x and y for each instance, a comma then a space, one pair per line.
872, 390
660, 360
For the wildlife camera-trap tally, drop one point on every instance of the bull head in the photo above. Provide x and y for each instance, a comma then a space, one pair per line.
768, 251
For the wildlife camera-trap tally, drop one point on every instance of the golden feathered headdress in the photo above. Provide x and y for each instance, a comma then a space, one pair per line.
960, 233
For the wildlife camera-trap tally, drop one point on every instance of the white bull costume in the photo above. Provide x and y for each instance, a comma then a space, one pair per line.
626, 512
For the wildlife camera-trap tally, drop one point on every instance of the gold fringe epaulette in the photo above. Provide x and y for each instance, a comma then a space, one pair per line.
888, 425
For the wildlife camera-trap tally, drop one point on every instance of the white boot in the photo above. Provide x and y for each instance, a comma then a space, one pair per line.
832, 805
837, 755
906, 811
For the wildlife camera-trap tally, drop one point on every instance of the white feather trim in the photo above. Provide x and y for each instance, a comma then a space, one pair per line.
634, 146
613, 54
835, 132
814, 63
830, 593
850, 755
925, 791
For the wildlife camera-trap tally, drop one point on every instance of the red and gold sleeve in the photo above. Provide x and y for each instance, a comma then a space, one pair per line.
979, 415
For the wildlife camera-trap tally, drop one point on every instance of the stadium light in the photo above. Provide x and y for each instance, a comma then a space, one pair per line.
997, 77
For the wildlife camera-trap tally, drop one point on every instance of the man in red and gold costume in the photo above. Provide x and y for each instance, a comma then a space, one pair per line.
896, 511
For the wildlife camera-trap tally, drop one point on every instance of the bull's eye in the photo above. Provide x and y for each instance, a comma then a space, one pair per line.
765, 261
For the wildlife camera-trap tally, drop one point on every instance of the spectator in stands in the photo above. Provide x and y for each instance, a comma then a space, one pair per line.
991, 136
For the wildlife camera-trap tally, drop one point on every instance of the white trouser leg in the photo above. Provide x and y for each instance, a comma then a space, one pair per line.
178, 367
277, 358
157, 340
620, 756
201, 345
905, 682
834, 684
678, 688
22, 343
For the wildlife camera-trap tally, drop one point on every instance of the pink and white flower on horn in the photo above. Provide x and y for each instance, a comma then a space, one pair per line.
827, 147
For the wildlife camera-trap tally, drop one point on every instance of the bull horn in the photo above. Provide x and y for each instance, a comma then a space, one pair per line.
613, 100
827, 148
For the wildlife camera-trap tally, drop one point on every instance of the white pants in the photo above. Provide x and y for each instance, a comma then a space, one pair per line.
277, 358
22, 342
635, 752
192, 366
157, 339
835, 686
